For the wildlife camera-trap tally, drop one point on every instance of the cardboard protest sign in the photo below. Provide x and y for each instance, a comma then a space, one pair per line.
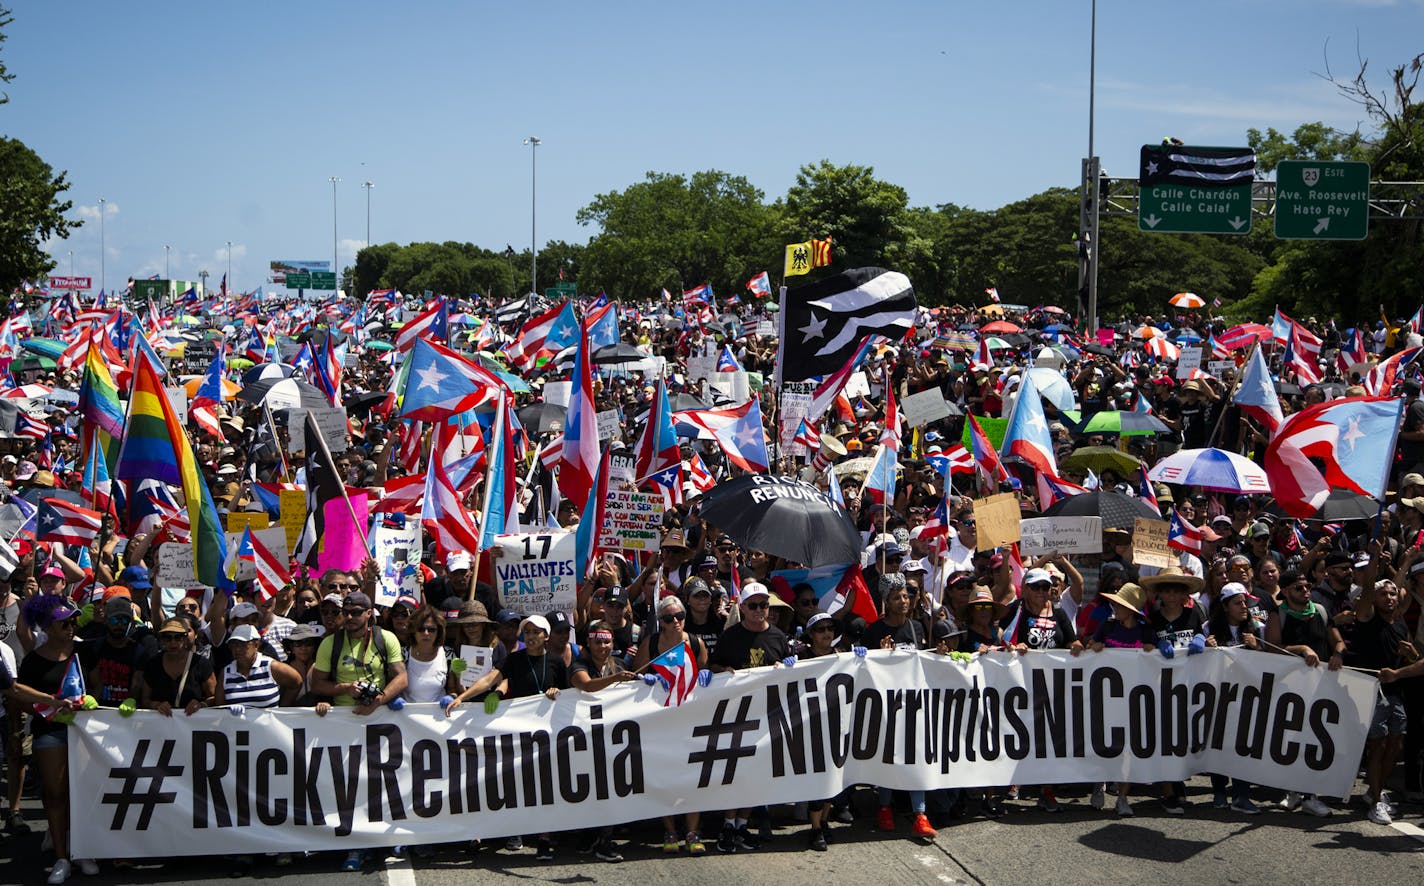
632, 521
293, 504
796, 397
1061, 535
240, 520
607, 424
534, 573
926, 406
175, 559
1190, 359
997, 518
396, 548
330, 419
1149, 543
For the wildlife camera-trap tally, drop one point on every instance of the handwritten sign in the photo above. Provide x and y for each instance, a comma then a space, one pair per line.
926, 406
766, 329
293, 510
998, 519
632, 521
620, 469
796, 397
479, 660
1190, 359
608, 426
178, 397
534, 573
556, 393
1061, 535
396, 548
1218, 367
857, 386
1149, 543
240, 520
330, 419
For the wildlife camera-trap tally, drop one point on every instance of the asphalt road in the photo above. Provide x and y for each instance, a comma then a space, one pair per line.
1025, 845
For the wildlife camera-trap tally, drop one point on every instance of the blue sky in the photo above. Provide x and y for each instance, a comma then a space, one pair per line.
203, 123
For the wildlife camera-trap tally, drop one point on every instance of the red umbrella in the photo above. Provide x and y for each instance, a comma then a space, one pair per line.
1001, 326
1244, 335
1053, 309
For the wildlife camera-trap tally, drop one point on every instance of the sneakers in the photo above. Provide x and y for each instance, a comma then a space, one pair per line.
1099, 798
545, 851
1314, 806
746, 841
843, 815
670, 844
1244, 806
60, 872
817, 842
695, 846
727, 840
1012, 793
15, 824
1383, 799
604, 851
514, 844
922, 827
88, 867
353, 861
1291, 801
1172, 805
1124, 808
1219, 801
1379, 814
885, 819
1048, 801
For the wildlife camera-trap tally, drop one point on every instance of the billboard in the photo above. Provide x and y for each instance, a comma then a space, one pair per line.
280, 269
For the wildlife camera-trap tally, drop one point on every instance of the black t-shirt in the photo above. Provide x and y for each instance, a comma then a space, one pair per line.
1312, 632
584, 665
1179, 631
1053, 631
911, 634
1411, 452
709, 632
742, 648
45, 675
1375, 645
529, 676
162, 687
109, 670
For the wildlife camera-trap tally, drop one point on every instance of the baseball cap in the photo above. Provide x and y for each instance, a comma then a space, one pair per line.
1232, 589
615, 594
242, 610
1037, 576
243, 634
912, 566
118, 606
458, 560
1260, 530
817, 619
136, 577
306, 632
754, 589
505, 616
26, 470
1412, 479
407, 601
558, 621
537, 621
357, 598
334, 599
52, 570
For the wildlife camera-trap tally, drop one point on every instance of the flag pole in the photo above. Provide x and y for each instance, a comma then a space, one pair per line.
350, 508
276, 441
1221, 417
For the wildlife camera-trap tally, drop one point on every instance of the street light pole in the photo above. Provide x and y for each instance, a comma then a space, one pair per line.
335, 264
533, 142
228, 278
103, 278
166, 275
1088, 226
368, 186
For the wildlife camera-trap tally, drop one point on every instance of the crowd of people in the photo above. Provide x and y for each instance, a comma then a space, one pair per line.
1334, 592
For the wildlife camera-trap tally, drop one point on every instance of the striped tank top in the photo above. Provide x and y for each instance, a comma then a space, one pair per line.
257, 690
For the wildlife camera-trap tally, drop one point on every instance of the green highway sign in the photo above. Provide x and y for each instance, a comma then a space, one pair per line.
1189, 209
323, 280
1319, 200
298, 280
561, 290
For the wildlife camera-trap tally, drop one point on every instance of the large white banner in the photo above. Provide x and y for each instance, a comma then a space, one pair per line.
286, 780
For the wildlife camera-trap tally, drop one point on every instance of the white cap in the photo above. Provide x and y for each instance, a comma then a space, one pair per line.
1232, 589
243, 634
537, 621
458, 560
754, 589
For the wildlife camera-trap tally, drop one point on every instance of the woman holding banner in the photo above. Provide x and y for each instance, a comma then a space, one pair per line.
1232, 626
595, 670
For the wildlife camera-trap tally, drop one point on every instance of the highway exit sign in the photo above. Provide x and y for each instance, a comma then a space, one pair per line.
1319, 200
1187, 189
298, 280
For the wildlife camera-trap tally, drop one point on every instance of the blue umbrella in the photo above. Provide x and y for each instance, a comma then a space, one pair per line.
45, 347
1186, 336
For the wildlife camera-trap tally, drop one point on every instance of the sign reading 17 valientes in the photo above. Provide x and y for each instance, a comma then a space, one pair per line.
1195, 190
1318, 200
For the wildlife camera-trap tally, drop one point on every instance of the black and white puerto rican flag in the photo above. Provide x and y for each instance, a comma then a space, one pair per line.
825, 321
1195, 166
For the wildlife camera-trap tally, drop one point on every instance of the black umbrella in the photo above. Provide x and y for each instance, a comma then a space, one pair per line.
541, 418
1116, 509
1341, 505
284, 393
783, 517
614, 355
363, 400
1100, 350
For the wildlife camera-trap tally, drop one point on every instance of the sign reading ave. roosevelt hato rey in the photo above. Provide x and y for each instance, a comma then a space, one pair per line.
285, 779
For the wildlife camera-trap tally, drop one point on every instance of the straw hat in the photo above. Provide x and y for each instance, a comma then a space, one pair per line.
1172, 575
1130, 595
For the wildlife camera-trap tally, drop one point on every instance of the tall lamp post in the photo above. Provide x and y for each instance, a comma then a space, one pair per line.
228, 279
368, 186
166, 275
103, 278
335, 266
533, 142
1088, 229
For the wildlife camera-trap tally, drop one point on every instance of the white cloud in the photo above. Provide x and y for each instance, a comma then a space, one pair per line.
347, 249
219, 256
91, 212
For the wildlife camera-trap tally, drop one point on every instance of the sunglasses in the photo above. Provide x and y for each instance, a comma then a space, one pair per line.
354, 610
963, 583
756, 606
968, 524
429, 629
671, 617
336, 586
171, 637
187, 608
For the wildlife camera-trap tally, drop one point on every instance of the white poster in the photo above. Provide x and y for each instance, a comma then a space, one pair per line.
926, 406
330, 419
1060, 535
175, 559
608, 426
479, 660
1190, 359
534, 573
796, 397
556, 393
396, 548
285, 779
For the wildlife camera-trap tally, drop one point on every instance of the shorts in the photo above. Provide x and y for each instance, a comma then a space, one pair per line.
1390, 717
59, 738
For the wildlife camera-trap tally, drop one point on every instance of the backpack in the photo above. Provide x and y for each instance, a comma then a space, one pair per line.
378, 638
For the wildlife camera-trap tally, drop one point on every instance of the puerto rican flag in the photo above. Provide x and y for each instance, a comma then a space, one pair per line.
890, 436
993, 293
737, 429
698, 295
63, 521
1027, 435
1183, 536
551, 453
957, 459
402, 495
697, 471
808, 434
1351, 352
983, 357
444, 515
551, 331
432, 323
760, 285
272, 572
1381, 379
678, 669
986, 458
1052, 489
579, 455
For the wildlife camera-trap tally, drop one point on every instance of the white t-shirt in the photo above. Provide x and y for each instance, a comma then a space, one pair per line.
426, 678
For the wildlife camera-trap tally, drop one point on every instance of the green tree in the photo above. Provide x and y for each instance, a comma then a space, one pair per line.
867, 219
671, 231
31, 212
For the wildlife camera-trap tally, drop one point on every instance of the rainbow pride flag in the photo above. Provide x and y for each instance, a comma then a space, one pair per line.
99, 405
155, 446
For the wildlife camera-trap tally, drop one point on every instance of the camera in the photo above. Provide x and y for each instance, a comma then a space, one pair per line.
366, 693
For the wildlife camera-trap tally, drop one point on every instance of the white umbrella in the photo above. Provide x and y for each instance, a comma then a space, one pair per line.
1053, 387
1212, 469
